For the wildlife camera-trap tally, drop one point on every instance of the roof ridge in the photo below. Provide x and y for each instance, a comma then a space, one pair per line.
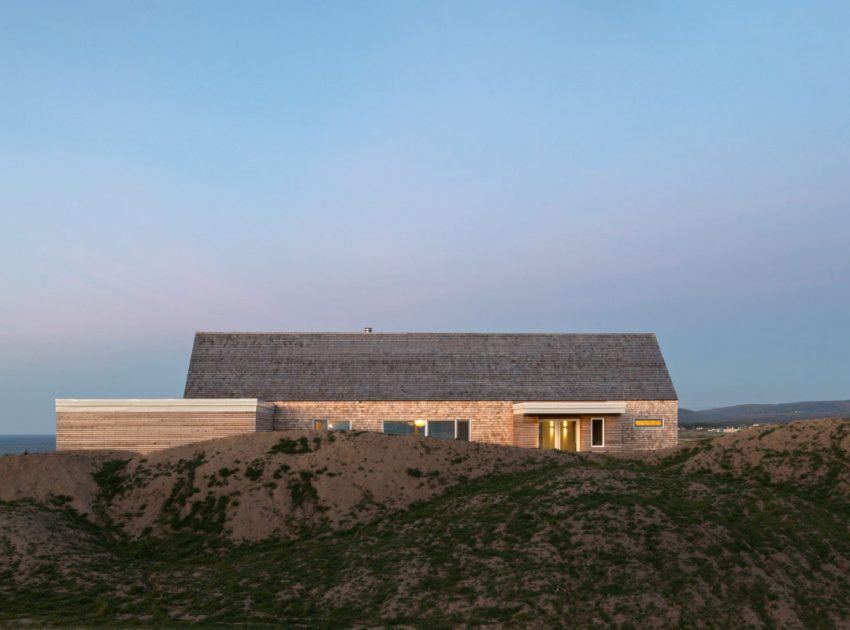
431, 333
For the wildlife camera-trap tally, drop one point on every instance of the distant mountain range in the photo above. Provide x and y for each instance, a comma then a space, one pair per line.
772, 414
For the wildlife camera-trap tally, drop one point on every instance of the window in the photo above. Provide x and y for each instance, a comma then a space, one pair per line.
649, 423
404, 427
332, 425
441, 429
449, 429
597, 432
438, 429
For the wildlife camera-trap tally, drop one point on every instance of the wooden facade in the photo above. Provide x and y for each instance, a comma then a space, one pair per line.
526, 430
143, 426
502, 385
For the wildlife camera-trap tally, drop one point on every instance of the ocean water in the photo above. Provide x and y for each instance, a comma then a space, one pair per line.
11, 444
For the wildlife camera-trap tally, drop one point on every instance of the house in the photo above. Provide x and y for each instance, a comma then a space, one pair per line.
574, 392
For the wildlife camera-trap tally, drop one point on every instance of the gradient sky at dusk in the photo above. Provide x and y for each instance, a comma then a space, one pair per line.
166, 167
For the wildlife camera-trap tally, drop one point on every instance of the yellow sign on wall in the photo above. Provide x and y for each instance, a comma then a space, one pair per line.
649, 422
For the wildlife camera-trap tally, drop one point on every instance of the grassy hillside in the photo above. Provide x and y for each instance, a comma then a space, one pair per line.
745, 531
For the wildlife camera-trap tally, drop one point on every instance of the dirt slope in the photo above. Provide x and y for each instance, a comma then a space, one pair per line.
807, 453
46, 476
749, 530
253, 486
35, 540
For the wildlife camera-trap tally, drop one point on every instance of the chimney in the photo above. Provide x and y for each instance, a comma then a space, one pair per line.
367, 330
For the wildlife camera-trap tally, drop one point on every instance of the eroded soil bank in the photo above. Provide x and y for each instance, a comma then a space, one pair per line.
308, 529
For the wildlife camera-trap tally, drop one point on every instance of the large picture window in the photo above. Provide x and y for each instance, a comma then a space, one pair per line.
439, 429
403, 427
449, 429
597, 432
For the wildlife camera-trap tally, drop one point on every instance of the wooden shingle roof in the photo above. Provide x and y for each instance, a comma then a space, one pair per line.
428, 366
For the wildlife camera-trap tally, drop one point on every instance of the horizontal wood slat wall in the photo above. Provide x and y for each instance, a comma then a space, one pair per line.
144, 432
525, 431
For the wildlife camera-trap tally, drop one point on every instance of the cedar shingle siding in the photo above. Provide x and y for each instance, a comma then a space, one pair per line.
428, 366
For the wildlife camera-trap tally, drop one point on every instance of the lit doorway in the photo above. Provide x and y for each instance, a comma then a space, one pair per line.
559, 434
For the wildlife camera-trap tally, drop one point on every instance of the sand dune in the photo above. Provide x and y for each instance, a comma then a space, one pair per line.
304, 529
345, 478
806, 452
46, 476
348, 478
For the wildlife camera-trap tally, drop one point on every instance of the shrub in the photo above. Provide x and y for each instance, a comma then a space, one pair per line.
291, 447
280, 470
254, 470
110, 478
301, 489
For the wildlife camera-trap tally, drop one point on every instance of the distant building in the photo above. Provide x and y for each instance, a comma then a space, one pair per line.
573, 392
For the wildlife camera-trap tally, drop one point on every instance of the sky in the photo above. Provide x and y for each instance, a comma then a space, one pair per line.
677, 168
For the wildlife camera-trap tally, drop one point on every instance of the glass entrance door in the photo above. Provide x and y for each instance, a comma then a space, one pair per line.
567, 434
558, 433
546, 434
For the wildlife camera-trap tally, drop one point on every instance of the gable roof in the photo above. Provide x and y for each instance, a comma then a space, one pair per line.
428, 366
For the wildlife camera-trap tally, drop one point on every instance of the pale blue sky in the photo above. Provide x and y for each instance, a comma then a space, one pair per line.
166, 167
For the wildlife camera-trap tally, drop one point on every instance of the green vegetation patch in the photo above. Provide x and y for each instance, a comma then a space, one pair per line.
182, 511
301, 489
110, 478
254, 470
289, 446
281, 470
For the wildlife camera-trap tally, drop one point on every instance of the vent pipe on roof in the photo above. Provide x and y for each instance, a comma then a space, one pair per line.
367, 330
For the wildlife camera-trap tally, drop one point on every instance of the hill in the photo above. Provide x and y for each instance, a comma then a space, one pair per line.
689, 417
766, 414
251, 487
300, 530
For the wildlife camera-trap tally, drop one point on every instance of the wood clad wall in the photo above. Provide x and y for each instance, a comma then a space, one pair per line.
265, 418
613, 434
620, 435
144, 432
526, 431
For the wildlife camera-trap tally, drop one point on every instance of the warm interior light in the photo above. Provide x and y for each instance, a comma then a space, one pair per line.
419, 423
